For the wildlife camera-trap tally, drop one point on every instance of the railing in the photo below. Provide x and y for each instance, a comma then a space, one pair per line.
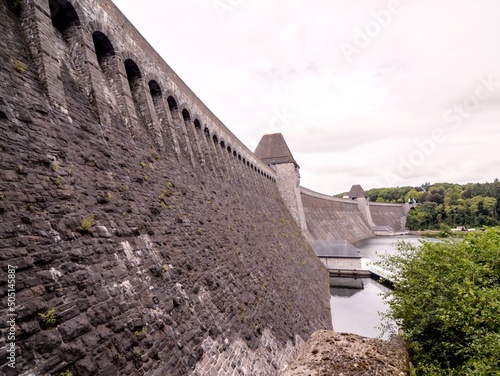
378, 271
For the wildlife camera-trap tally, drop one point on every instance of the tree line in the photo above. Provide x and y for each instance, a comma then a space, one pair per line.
445, 204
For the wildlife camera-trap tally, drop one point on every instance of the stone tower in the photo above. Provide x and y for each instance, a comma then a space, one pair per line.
274, 151
358, 194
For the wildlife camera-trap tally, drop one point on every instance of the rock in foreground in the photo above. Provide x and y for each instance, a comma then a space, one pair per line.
331, 353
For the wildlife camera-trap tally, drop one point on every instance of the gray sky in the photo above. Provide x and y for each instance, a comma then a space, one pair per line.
377, 93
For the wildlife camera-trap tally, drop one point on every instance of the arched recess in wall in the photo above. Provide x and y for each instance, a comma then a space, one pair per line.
185, 115
134, 77
63, 16
159, 108
105, 52
133, 74
69, 40
173, 107
215, 139
192, 137
157, 97
207, 147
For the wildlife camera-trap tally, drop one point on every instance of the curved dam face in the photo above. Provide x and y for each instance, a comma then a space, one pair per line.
389, 215
146, 239
330, 218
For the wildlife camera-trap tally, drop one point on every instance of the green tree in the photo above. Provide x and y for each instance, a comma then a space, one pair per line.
446, 299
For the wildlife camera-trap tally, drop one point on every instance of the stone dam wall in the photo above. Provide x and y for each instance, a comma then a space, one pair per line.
331, 218
150, 238
389, 215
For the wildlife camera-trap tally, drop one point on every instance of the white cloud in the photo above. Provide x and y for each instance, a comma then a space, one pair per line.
352, 122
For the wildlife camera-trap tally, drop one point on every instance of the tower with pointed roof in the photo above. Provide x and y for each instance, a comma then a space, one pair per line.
273, 150
358, 194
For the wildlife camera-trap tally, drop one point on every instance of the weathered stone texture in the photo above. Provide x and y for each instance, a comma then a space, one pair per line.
156, 262
288, 180
343, 354
330, 218
389, 215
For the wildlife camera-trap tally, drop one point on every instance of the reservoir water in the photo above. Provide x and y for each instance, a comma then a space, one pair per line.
356, 302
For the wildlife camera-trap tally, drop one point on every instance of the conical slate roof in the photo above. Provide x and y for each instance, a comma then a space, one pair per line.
272, 149
356, 191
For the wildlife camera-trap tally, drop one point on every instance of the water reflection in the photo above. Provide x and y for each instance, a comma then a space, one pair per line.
355, 304
373, 248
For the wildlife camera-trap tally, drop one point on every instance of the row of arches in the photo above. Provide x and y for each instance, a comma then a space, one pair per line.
141, 98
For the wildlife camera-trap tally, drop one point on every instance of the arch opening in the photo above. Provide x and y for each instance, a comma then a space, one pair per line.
103, 48
63, 15
172, 104
185, 115
155, 89
132, 70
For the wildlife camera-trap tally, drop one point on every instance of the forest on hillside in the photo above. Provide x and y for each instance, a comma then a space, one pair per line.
445, 204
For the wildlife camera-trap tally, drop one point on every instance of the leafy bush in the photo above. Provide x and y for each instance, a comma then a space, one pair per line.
447, 302
48, 318
87, 223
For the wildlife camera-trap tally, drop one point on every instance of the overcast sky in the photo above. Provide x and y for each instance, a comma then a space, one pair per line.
377, 93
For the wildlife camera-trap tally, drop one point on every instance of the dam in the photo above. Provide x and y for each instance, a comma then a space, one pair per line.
145, 237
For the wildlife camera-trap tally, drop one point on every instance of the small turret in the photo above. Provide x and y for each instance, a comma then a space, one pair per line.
358, 194
274, 151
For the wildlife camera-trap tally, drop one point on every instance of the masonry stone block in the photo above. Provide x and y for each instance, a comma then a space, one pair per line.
181, 242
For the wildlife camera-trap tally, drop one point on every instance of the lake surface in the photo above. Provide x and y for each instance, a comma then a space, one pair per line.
356, 310
355, 307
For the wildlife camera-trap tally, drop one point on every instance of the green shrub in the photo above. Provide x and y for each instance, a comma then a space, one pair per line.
87, 223
48, 318
446, 299
141, 332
